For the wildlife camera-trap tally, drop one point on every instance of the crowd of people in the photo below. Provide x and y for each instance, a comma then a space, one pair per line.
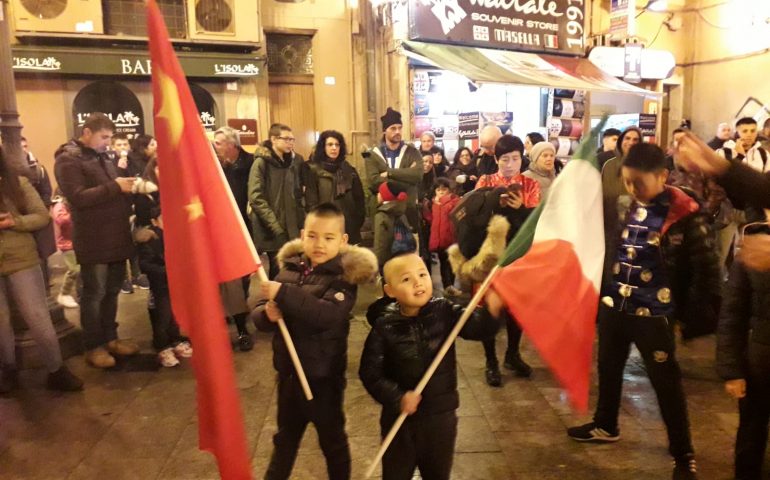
674, 221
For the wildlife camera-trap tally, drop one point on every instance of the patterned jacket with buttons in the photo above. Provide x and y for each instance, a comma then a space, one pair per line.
675, 268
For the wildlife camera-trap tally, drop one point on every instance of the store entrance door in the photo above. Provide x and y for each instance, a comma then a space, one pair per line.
293, 104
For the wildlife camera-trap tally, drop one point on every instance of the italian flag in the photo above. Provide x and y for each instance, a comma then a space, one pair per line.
550, 273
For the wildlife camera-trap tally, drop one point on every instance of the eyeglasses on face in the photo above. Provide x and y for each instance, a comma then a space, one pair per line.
287, 139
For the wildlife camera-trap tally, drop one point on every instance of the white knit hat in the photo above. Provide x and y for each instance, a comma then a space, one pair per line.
538, 149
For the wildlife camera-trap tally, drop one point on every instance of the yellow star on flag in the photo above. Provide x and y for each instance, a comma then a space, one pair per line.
194, 209
170, 109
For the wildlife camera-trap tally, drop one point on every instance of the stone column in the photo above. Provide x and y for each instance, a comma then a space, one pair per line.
10, 128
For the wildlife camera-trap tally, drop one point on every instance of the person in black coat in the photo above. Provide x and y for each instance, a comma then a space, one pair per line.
143, 149
743, 358
406, 335
166, 337
463, 171
329, 178
314, 292
236, 165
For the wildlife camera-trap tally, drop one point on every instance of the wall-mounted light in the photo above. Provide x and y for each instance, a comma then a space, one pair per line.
657, 5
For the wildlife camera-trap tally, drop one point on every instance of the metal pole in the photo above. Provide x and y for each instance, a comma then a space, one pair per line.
10, 127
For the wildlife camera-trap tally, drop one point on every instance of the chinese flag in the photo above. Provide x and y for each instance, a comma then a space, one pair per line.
206, 243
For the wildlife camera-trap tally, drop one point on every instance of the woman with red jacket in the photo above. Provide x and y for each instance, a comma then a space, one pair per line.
442, 233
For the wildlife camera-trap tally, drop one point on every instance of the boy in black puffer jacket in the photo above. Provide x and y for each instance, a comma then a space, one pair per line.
404, 340
314, 293
743, 359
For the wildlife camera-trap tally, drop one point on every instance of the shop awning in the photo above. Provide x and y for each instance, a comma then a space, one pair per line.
502, 66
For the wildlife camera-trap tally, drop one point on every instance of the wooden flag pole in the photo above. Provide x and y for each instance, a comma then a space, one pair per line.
290, 346
434, 365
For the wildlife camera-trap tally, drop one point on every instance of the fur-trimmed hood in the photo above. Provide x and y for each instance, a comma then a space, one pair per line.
359, 265
476, 269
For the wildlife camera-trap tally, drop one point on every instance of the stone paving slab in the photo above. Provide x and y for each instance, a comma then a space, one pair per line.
143, 425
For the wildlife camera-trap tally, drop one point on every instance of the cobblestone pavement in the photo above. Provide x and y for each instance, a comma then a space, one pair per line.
142, 425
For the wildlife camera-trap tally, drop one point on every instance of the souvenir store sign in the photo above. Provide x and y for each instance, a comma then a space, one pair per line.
549, 26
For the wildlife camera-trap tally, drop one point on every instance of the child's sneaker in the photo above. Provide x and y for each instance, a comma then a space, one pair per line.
167, 358
183, 350
591, 433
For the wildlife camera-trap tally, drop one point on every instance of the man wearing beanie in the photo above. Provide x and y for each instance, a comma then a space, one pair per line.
396, 162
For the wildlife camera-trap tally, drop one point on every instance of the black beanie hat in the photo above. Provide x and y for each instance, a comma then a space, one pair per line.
391, 117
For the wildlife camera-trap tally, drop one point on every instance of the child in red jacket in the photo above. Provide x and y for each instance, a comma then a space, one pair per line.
442, 233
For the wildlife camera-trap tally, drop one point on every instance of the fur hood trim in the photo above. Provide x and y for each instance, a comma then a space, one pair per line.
476, 269
359, 265
144, 235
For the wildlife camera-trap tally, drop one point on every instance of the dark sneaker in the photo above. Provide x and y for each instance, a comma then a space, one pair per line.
492, 374
685, 468
514, 362
127, 287
591, 433
9, 379
64, 381
245, 343
141, 282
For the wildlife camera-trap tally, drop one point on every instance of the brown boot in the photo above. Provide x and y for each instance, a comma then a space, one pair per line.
123, 348
99, 358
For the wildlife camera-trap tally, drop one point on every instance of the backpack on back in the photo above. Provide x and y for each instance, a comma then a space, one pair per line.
471, 216
403, 238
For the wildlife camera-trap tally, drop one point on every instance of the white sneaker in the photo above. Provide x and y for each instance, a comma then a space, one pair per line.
167, 358
183, 350
66, 301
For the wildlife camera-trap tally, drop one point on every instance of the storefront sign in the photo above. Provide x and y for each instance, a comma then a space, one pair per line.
632, 68
48, 64
468, 125
501, 119
247, 129
551, 26
622, 18
114, 100
653, 64
648, 124
71, 61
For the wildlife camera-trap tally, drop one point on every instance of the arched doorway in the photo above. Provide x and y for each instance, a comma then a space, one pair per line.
114, 100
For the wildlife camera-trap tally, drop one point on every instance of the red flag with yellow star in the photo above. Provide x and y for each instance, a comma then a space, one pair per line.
206, 243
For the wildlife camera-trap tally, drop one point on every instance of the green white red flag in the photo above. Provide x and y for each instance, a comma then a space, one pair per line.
551, 272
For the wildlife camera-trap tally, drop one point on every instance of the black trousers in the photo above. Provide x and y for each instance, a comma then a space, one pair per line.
424, 238
654, 338
165, 330
751, 442
426, 442
447, 276
294, 413
514, 340
272, 258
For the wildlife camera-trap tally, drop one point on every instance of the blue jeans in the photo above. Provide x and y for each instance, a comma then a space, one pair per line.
27, 288
99, 303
